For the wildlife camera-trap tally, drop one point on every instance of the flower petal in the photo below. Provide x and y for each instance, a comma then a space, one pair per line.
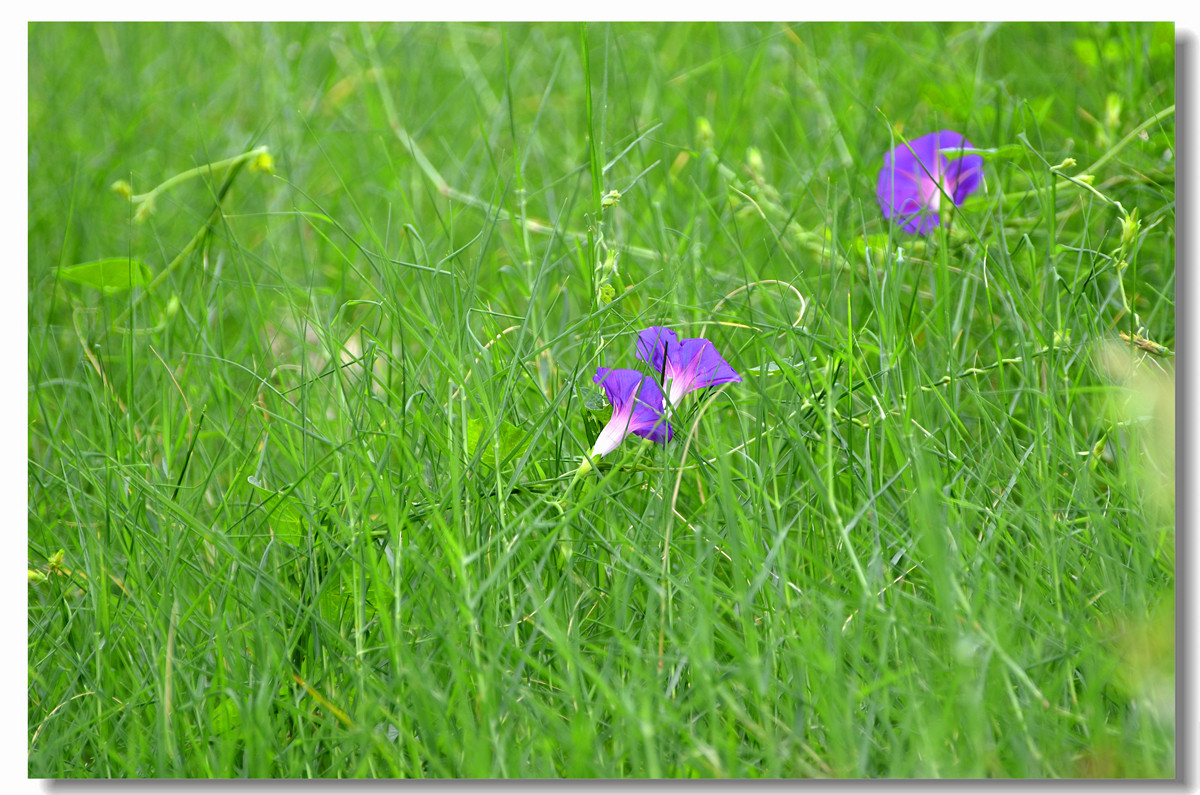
915, 218
908, 184
652, 345
946, 140
964, 176
896, 188
695, 364
915, 174
637, 405
647, 417
920, 160
620, 386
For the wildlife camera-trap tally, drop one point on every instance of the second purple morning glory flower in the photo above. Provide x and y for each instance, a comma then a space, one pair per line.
917, 176
684, 364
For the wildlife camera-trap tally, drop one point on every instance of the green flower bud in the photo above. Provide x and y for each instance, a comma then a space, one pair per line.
704, 134
754, 160
1129, 228
1112, 111
264, 162
122, 188
609, 266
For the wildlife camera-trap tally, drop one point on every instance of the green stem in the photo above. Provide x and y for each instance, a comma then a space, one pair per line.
453, 194
235, 164
1104, 158
584, 468
1083, 180
207, 168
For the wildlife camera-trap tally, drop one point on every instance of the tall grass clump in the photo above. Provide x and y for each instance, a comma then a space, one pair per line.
315, 312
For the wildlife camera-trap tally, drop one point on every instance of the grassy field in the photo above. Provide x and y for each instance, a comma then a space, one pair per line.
304, 423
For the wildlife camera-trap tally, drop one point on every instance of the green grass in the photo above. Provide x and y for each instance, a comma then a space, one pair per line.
298, 507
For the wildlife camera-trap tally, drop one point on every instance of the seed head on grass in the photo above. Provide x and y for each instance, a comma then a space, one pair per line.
917, 174
684, 364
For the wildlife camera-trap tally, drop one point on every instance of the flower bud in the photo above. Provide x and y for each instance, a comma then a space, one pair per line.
264, 162
1112, 110
754, 160
704, 134
1129, 228
143, 211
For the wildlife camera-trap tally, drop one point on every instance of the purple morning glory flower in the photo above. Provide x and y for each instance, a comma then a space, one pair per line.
637, 405
916, 174
685, 364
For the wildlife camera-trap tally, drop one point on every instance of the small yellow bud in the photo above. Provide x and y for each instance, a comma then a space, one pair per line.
36, 576
609, 199
122, 188
264, 162
143, 211
56, 560
704, 134
754, 160
1068, 163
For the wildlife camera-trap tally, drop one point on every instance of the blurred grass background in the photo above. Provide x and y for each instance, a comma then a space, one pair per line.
296, 509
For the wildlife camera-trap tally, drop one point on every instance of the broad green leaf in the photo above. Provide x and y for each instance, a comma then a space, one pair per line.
225, 717
337, 599
877, 242
510, 439
593, 399
288, 525
1086, 52
111, 275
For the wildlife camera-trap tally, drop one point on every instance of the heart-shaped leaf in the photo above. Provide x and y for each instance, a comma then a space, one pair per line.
110, 275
